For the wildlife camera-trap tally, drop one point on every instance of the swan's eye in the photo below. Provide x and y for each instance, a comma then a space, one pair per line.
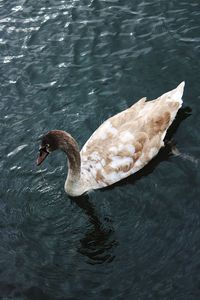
44, 149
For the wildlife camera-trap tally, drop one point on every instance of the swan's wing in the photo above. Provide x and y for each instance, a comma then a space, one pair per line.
116, 154
115, 158
123, 144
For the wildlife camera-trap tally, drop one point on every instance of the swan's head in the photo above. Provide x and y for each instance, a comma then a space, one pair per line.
57, 139
49, 143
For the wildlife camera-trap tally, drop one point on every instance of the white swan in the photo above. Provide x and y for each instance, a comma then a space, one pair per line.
121, 146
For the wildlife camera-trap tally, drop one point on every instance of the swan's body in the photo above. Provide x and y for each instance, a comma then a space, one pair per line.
121, 146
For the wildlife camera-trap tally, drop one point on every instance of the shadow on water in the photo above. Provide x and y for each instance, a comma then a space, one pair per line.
98, 242
163, 154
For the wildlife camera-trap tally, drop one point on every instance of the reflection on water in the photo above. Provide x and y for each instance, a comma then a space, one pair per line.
70, 65
98, 243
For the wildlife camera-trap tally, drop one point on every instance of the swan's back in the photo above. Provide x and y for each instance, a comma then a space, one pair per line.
126, 142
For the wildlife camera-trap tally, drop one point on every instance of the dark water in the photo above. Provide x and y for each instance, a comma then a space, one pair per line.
70, 65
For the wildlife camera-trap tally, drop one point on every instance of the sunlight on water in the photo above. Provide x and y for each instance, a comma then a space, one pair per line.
70, 65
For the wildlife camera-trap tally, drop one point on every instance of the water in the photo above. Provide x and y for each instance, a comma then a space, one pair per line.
70, 65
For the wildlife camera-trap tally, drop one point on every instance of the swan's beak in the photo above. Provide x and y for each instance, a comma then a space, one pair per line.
41, 157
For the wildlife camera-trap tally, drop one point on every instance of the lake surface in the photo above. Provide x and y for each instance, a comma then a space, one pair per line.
70, 65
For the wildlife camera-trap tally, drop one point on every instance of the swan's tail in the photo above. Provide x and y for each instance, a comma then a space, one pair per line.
175, 96
173, 100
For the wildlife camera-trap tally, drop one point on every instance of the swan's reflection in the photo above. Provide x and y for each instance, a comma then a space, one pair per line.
98, 242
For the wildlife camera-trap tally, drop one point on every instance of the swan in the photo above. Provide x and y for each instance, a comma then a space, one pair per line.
121, 146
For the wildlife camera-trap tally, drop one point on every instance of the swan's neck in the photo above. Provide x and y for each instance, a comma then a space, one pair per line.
73, 184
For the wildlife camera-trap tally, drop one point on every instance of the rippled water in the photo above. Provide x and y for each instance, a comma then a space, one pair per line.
70, 65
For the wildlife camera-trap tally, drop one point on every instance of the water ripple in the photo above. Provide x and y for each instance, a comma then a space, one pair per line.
70, 65
16, 150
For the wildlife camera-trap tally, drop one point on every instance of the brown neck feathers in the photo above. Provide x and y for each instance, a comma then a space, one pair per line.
67, 143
